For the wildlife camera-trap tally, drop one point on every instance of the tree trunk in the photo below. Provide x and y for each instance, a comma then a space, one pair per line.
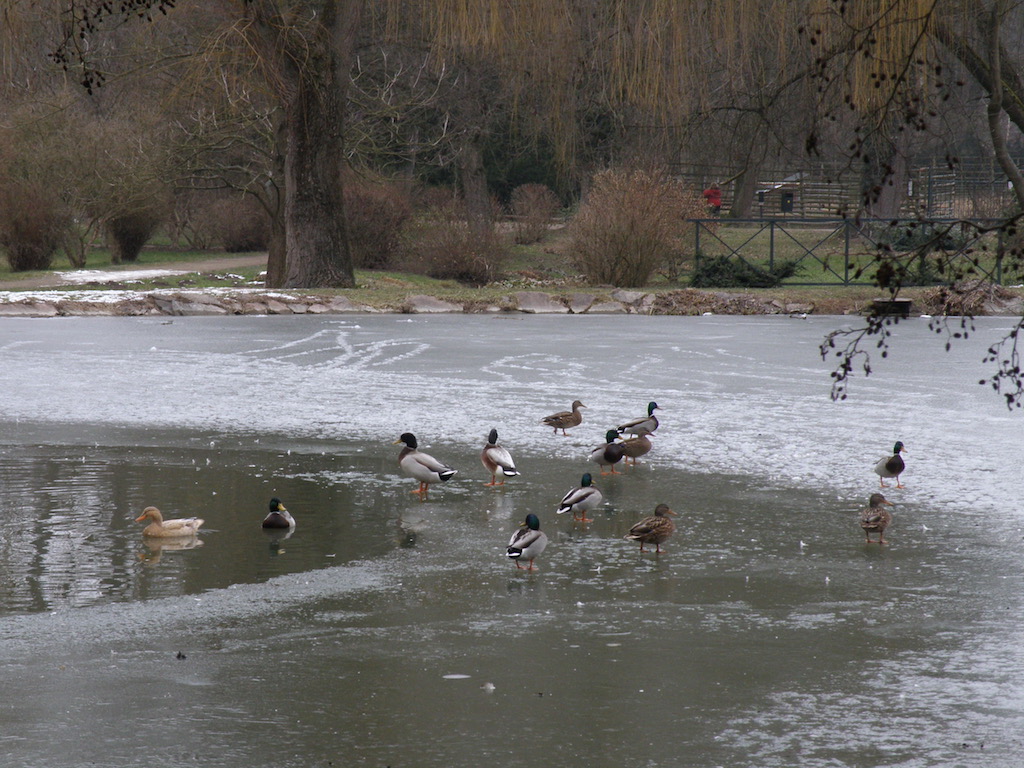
744, 187
474, 188
996, 114
310, 66
886, 172
277, 253
316, 239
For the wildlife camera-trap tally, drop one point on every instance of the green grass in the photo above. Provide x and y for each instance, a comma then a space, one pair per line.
545, 266
823, 252
150, 258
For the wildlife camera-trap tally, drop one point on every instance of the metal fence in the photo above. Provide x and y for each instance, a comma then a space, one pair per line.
837, 251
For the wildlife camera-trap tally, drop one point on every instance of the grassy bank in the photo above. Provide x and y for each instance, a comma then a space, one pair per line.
541, 267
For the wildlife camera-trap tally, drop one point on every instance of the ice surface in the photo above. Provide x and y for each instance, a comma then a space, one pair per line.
738, 395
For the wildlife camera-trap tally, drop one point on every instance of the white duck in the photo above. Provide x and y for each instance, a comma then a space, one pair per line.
158, 527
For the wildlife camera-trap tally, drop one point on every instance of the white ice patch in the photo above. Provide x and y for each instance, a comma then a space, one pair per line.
742, 396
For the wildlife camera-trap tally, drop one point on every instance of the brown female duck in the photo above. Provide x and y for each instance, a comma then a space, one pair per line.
876, 518
564, 420
655, 529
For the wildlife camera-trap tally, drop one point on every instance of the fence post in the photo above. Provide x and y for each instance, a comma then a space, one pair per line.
771, 245
846, 252
999, 257
696, 243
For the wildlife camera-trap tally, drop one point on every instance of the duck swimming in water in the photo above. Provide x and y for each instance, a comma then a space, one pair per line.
279, 517
175, 527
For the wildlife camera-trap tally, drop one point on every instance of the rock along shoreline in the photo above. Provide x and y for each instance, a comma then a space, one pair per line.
213, 302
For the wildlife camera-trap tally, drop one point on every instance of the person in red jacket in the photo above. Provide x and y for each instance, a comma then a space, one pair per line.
713, 196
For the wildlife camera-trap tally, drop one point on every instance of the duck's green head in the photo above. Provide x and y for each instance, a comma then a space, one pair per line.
652, 407
408, 438
276, 505
611, 435
898, 448
586, 480
533, 522
492, 437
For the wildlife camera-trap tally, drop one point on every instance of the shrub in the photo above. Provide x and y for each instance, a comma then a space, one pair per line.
377, 210
127, 232
924, 237
239, 223
630, 225
443, 246
32, 225
533, 206
725, 272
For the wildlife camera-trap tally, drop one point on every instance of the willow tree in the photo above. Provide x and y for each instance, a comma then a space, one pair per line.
896, 62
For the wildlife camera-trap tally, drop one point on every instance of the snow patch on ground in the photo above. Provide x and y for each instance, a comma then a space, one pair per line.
81, 276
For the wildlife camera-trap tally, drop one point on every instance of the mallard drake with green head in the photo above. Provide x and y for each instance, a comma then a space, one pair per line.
496, 459
421, 466
608, 454
876, 518
581, 500
564, 420
644, 425
172, 528
527, 542
891, 466
635, 447
279, 517
654, 529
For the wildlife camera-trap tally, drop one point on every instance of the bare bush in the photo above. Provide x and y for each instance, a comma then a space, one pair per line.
239, 223
129, 231
33, 224
188, 221
533, 206
377, 210
632, 223
442, 245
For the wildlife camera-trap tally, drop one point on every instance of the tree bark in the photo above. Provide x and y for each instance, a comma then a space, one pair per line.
996, 113
310, 66
744, 187
473, 180
316, 235
886, 171
277, 253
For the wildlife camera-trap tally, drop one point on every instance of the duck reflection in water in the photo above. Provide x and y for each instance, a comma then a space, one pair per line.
154, 548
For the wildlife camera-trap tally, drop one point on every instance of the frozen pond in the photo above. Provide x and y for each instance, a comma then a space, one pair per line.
385, 631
